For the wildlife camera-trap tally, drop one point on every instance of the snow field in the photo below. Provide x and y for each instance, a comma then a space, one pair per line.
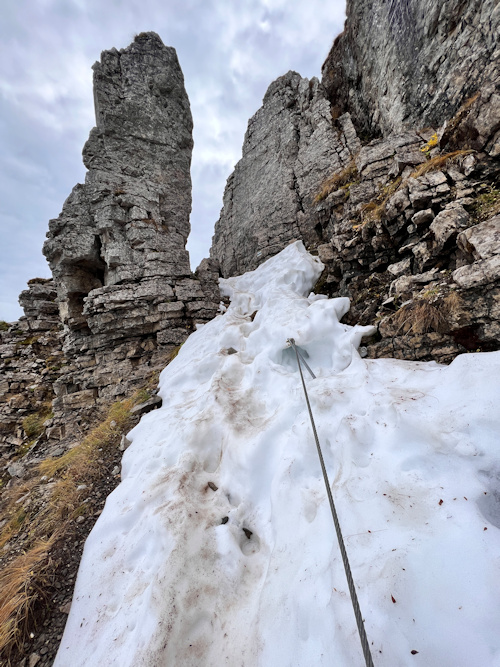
176, 573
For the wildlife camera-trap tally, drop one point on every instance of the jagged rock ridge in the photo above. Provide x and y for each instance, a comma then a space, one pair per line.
392, 217
121, 301
397, 240
290, 145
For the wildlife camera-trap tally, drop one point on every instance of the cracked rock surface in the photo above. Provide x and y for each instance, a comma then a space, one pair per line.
404, 63
290, 146
118, 249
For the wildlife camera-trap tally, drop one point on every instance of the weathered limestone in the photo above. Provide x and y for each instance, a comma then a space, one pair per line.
418, 252
482, 243
39, 305
389, 217
290, 146
30, 361
128, 225
414, 63
118, 249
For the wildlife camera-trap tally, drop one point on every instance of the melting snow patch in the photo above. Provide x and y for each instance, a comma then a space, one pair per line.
218, 547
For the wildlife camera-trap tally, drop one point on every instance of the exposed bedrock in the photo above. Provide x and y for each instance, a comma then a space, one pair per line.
383, 169
412, 63
118, 249
291, 144
129, 222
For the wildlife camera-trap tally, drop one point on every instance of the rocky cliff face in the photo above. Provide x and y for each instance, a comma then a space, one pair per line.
407, 225
30, 361
122, 296
290, 145
129, 222
392, 217
413, 63
414, 245
117, 251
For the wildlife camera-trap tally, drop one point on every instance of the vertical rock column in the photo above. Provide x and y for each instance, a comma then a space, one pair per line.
118, 249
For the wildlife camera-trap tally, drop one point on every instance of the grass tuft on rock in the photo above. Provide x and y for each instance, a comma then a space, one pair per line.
418, 317
439, 162
21, 587
24, 578
338, 180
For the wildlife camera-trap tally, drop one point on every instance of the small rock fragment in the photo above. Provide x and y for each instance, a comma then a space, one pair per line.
124, 443
147, 406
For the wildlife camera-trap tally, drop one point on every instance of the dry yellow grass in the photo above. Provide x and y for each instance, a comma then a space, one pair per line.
342, 178
81, 460
12, 527
453, 302
13, 512
374, 210
22, 580
438, 162
20, 587
452, 131
418, 317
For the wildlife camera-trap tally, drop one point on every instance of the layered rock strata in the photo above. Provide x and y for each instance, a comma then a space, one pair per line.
413, 63
31, 360
117, 251
291, 144
415, 247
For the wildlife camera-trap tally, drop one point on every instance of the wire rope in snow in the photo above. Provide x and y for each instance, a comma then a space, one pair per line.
347, 568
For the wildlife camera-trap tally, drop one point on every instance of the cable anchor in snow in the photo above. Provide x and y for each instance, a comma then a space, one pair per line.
350, 582
291, 343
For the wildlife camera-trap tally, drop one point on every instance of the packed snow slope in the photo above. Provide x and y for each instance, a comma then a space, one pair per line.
246, 570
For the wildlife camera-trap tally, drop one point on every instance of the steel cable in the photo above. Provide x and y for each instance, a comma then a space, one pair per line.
347, 568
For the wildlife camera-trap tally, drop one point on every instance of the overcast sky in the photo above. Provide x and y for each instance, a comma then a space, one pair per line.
229, 51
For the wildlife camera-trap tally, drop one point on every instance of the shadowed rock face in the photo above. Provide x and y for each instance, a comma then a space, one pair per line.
128, 224
290, 146
411, 63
